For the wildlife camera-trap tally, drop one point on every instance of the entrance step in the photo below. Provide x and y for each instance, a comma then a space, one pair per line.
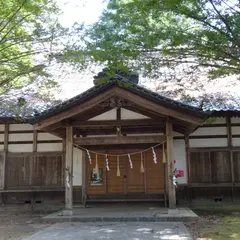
139, 197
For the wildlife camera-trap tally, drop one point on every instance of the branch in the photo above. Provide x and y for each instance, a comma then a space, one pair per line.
14, 14
222, 18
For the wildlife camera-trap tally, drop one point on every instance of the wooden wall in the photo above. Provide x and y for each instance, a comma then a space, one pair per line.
215, 159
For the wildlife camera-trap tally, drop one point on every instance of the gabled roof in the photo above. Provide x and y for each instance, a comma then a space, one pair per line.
134, 88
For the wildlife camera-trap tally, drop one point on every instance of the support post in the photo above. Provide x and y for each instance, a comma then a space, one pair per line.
188, 168
229, 134
170, 165
69, 171
84, 178
5, 149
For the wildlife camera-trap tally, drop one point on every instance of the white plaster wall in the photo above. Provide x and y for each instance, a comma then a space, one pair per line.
179, 152
77, 167
235, 120
208, 142
235, 130
127, 114
14, 137
49, 147
20, 127
219, 120
1, 137
20, 147
210, 131
46, 136
2, 127
236, 142
109, 115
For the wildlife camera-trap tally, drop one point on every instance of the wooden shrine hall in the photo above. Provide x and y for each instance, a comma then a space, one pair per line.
125, 132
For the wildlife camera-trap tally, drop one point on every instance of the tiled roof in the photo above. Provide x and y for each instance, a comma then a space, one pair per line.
140, 91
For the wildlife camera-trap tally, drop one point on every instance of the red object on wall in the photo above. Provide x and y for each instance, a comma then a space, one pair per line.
174, 161
180, 173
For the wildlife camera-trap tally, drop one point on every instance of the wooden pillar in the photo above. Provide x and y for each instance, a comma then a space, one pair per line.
84, 178
170, 166
189, 179
5, 151
229, 135
69, 170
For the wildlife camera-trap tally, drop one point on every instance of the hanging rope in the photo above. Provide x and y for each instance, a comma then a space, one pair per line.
115, 155
96, 166
142, 167
164, 154
118, 168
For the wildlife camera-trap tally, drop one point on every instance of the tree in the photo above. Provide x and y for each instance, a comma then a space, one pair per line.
30, 35
150, 35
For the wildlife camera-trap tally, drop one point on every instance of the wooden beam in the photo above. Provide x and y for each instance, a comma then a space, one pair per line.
170, 166
113, 123
115, 140
69, 169
81, 108
147, 104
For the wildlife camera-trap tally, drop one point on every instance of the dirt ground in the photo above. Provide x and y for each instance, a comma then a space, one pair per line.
19, 221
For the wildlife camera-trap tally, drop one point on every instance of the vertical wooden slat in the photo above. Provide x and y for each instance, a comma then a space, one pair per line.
69, 168
5, 151
229, 136
171, 187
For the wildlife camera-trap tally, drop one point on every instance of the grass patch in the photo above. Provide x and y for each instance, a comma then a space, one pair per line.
228, 228
223, 220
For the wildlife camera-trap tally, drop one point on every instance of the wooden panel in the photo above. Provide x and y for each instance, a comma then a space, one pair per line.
154, 172
200, 167
115, 184
47, 171
236, 166
96, 189
221, 170
135, 179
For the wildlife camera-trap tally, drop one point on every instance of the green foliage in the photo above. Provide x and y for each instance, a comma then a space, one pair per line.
156, 33
29, 34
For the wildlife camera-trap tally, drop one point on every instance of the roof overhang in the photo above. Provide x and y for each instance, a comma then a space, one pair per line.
103, 98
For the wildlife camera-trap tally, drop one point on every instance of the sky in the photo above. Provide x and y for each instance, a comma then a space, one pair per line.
88, 12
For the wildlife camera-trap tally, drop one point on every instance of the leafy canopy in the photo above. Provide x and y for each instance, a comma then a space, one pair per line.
151, 34
29, 35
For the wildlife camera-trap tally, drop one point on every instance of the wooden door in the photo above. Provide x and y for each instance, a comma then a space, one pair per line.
154, 173
115, 184
135, 178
